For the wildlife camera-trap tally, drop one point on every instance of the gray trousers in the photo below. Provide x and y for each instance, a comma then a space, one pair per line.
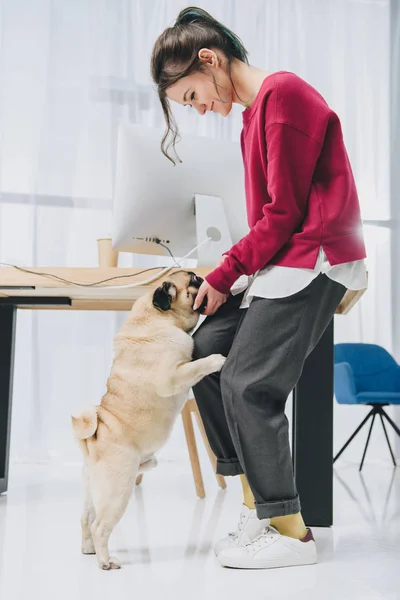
243, 407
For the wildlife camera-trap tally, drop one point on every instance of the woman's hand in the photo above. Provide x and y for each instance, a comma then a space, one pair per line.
214, 298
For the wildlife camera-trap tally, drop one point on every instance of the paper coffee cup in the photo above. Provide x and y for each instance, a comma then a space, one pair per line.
107, 256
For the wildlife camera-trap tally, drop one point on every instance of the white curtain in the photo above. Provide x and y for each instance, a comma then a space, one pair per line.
70, 72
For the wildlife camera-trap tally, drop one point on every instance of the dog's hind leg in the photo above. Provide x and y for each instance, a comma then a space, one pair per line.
88, 515
112, 479
148, 464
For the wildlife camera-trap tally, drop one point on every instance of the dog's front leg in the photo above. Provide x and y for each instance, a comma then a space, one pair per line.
186, 375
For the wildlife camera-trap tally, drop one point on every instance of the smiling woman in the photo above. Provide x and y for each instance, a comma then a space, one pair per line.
195, 46
304, 249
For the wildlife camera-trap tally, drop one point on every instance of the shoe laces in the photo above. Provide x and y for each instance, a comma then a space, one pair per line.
259, 542
236, 534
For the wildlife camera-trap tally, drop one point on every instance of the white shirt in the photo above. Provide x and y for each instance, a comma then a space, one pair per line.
275, 281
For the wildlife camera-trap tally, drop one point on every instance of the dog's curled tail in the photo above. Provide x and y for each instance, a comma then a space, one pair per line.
85, 423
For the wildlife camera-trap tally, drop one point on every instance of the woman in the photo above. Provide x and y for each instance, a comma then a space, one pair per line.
304, 249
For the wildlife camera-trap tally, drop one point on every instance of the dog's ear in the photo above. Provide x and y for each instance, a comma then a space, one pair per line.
164, 295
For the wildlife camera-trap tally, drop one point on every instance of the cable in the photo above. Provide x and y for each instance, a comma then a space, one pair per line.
163, 271
51, 275
166, 247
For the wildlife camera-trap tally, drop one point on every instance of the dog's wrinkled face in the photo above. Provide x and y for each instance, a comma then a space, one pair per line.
178, 295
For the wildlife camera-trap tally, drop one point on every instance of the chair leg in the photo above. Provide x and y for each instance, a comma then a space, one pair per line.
192, 447
213, 459
393, 424
387, 438
366, 445
354, 434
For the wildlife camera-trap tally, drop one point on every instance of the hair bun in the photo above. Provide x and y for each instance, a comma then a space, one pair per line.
191, 14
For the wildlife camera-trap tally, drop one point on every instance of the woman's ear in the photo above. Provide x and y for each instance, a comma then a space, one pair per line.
162, 297
208, 57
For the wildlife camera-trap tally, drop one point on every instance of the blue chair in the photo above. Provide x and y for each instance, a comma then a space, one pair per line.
367, 374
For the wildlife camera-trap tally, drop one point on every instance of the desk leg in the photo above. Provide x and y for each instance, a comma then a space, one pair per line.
7, 339
313, 434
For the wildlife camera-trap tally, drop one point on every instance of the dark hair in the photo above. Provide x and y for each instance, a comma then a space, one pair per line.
175, 55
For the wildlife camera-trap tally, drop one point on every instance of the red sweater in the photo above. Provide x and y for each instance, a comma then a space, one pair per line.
300, 189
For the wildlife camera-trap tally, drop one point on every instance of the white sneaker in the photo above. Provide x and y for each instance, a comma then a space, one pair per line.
249, 527
269, 550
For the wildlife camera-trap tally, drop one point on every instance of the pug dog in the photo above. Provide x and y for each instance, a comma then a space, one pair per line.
150, 377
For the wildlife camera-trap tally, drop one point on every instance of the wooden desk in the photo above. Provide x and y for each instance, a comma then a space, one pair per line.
312, 446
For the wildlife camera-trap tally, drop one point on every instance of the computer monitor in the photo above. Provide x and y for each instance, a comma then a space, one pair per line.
155, 200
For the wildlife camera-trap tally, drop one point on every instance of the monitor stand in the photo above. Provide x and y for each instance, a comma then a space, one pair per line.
211, 222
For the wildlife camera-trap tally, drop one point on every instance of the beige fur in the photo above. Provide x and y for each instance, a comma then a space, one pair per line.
150, 377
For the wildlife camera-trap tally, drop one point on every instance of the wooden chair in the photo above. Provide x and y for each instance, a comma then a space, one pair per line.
187, 411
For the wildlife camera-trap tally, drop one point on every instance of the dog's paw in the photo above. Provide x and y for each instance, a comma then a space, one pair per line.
149, 464
216, 362
111, 564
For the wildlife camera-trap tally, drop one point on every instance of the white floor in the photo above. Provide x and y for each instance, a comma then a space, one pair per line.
165, 540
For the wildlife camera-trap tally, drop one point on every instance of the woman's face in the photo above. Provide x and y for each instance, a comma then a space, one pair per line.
198, 89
